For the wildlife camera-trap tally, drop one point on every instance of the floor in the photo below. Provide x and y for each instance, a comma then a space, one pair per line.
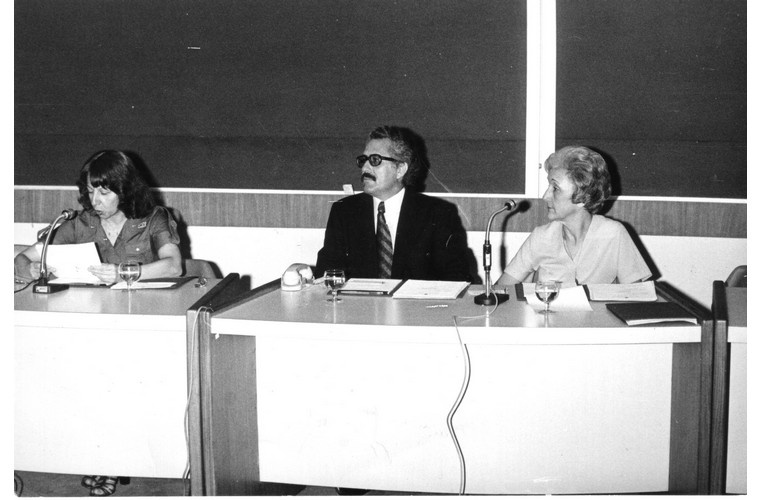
37, 484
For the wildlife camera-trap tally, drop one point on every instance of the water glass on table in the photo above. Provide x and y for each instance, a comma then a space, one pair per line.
334, 279
546, 288
129, 272
547, 291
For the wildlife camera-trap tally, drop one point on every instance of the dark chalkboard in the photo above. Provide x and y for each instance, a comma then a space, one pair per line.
660, 86
270, 94
280, 94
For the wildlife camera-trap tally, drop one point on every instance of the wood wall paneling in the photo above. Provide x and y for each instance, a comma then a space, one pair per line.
287, 210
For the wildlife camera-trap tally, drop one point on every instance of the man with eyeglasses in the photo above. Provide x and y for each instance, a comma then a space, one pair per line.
391, 230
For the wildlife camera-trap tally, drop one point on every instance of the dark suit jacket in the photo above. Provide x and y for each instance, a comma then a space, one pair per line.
430, 243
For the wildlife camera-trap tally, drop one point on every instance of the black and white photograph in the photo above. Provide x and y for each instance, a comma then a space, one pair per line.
378, 247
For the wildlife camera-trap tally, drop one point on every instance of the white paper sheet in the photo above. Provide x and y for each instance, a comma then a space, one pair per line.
424, 289
631, 292
572, 298
138, 285
69, 263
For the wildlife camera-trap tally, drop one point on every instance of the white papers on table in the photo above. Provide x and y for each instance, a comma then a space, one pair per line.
425, 289
631, 292
139, 285
69, 263
572, 298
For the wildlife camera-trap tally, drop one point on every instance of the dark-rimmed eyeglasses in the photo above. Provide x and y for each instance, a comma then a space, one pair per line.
374, 159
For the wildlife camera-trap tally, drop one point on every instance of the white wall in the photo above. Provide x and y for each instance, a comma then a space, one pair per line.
689, 263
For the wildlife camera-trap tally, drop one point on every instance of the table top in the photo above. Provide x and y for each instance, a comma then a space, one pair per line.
310, 307
82, 305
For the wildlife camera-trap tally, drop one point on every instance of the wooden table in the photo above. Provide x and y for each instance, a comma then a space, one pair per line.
358, 394
729, 406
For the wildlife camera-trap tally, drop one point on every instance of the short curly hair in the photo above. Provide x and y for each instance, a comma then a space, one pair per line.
587, 170
407, 147
115, 170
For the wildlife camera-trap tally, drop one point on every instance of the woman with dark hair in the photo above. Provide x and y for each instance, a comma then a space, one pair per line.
120, 216
577, 246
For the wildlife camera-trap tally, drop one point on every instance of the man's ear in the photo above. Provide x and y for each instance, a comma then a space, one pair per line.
401, 170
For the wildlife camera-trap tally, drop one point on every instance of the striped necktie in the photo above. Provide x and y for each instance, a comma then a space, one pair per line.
383, 244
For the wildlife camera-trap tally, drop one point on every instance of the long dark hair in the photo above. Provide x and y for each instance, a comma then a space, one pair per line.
114, 170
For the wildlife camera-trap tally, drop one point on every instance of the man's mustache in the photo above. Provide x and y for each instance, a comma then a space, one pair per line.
368, 175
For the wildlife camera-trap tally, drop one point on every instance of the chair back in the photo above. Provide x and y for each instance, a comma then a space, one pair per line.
200, 268
737, 277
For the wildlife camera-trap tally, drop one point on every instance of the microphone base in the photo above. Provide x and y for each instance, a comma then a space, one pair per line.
46, 288
491, 299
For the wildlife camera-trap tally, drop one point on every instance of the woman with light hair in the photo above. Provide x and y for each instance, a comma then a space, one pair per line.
577, 246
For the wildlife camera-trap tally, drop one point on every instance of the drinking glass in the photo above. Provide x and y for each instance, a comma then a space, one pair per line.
129, 271
547, 291
334, 279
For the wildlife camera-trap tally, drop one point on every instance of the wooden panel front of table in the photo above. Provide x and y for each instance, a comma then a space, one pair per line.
357, 394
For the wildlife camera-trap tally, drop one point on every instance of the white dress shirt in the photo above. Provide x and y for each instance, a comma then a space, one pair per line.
392, 208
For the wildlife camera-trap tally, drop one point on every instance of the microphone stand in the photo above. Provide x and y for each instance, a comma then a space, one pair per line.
42, 285
489, 298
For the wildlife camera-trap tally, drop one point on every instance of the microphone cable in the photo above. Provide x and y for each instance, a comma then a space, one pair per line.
17, 281
462, 395
191, 381
456, 405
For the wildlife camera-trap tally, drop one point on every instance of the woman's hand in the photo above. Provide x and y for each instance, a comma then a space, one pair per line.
107, 273
34, 270
31, 270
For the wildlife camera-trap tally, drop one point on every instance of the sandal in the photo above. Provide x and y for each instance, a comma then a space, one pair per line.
92, 481
108, 486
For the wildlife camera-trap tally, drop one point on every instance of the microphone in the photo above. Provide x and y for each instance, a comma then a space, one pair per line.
42, 285
70, 214
488, 298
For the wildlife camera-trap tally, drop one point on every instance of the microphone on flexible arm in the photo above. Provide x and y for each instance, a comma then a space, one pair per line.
489, 298
42, 285
43, 232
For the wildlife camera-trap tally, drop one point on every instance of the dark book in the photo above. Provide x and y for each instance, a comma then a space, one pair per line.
645, 313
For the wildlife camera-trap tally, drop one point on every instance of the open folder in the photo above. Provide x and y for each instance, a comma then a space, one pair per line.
369, 286
631, 292
425, 289
154, 283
